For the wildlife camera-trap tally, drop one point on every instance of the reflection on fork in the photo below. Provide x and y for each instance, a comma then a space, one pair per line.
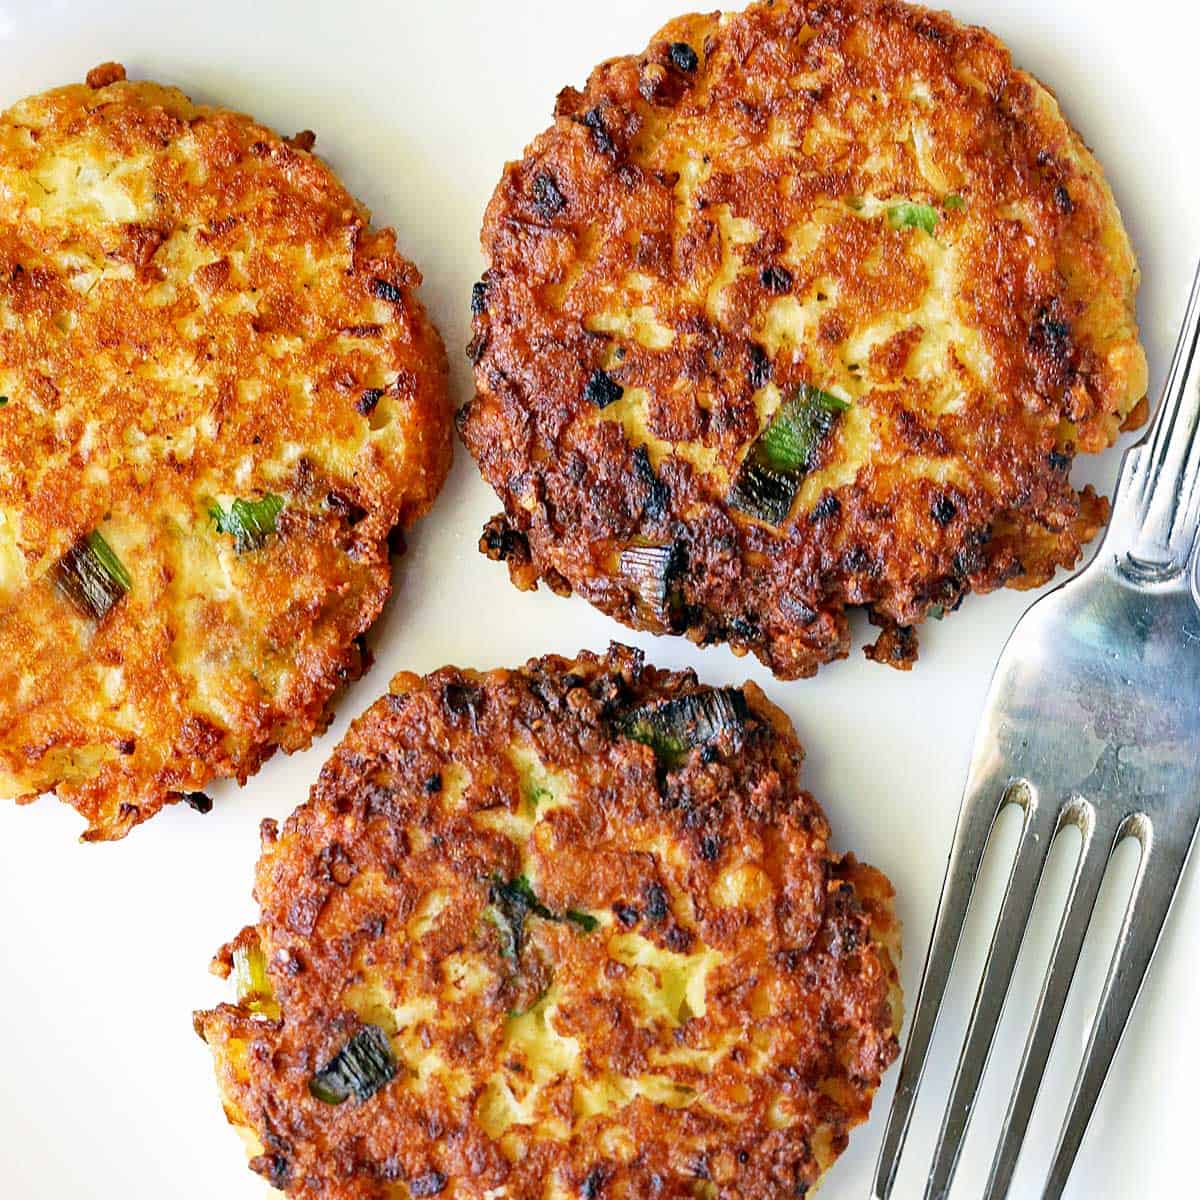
1092, 720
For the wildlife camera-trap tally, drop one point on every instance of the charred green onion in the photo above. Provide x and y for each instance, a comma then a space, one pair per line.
384, 289
250, 522
364, 1065
675, 727
92, 577
684, 57
770, 475
510, 943
916, 216
602, 389
654, 572
517, 894
585, 921
513, 902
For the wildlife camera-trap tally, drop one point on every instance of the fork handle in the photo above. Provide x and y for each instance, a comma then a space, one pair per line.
1158, 497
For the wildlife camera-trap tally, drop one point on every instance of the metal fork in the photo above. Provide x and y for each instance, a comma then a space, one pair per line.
1092, 720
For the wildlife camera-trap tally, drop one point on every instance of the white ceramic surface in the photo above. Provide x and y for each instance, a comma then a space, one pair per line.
104, 1089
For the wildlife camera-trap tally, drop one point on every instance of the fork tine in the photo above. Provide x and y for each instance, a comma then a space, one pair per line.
1042, 824
1154, 888
1088, 876
976, 818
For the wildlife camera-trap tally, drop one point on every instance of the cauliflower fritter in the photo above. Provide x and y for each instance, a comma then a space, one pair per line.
219, 395
803, 308
566, 931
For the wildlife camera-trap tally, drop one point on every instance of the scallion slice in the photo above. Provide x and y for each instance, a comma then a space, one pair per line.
510, 944
250, 979
770, 475
513, 902
92, 577
250, 522
535, 794
673, 728
953, 201
916, 216
653, 572
364, 1065
518, 895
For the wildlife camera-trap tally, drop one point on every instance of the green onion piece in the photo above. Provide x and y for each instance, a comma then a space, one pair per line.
512, 902
788, 442
510, 946
653, 572
250, 522
364, 1065
3, 401
92, 577
513, 1013
953, 201
919, 216
855, 203
536, 794
770, 475
250, 978
519, 893
937, 611
675, 727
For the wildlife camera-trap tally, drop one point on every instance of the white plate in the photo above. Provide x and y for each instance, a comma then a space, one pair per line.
104, 1089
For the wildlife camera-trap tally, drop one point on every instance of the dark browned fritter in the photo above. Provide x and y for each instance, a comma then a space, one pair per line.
859, 201
565, 931
217, 378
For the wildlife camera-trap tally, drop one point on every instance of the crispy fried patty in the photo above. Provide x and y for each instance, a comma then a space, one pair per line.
566, 931
219, 394
802, 308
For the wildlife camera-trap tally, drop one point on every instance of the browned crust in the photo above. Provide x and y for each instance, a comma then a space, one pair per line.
807, 987
209, 686
1047, 274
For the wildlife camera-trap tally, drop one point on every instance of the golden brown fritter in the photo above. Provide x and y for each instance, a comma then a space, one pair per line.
219, 394
566, 931
803, 308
